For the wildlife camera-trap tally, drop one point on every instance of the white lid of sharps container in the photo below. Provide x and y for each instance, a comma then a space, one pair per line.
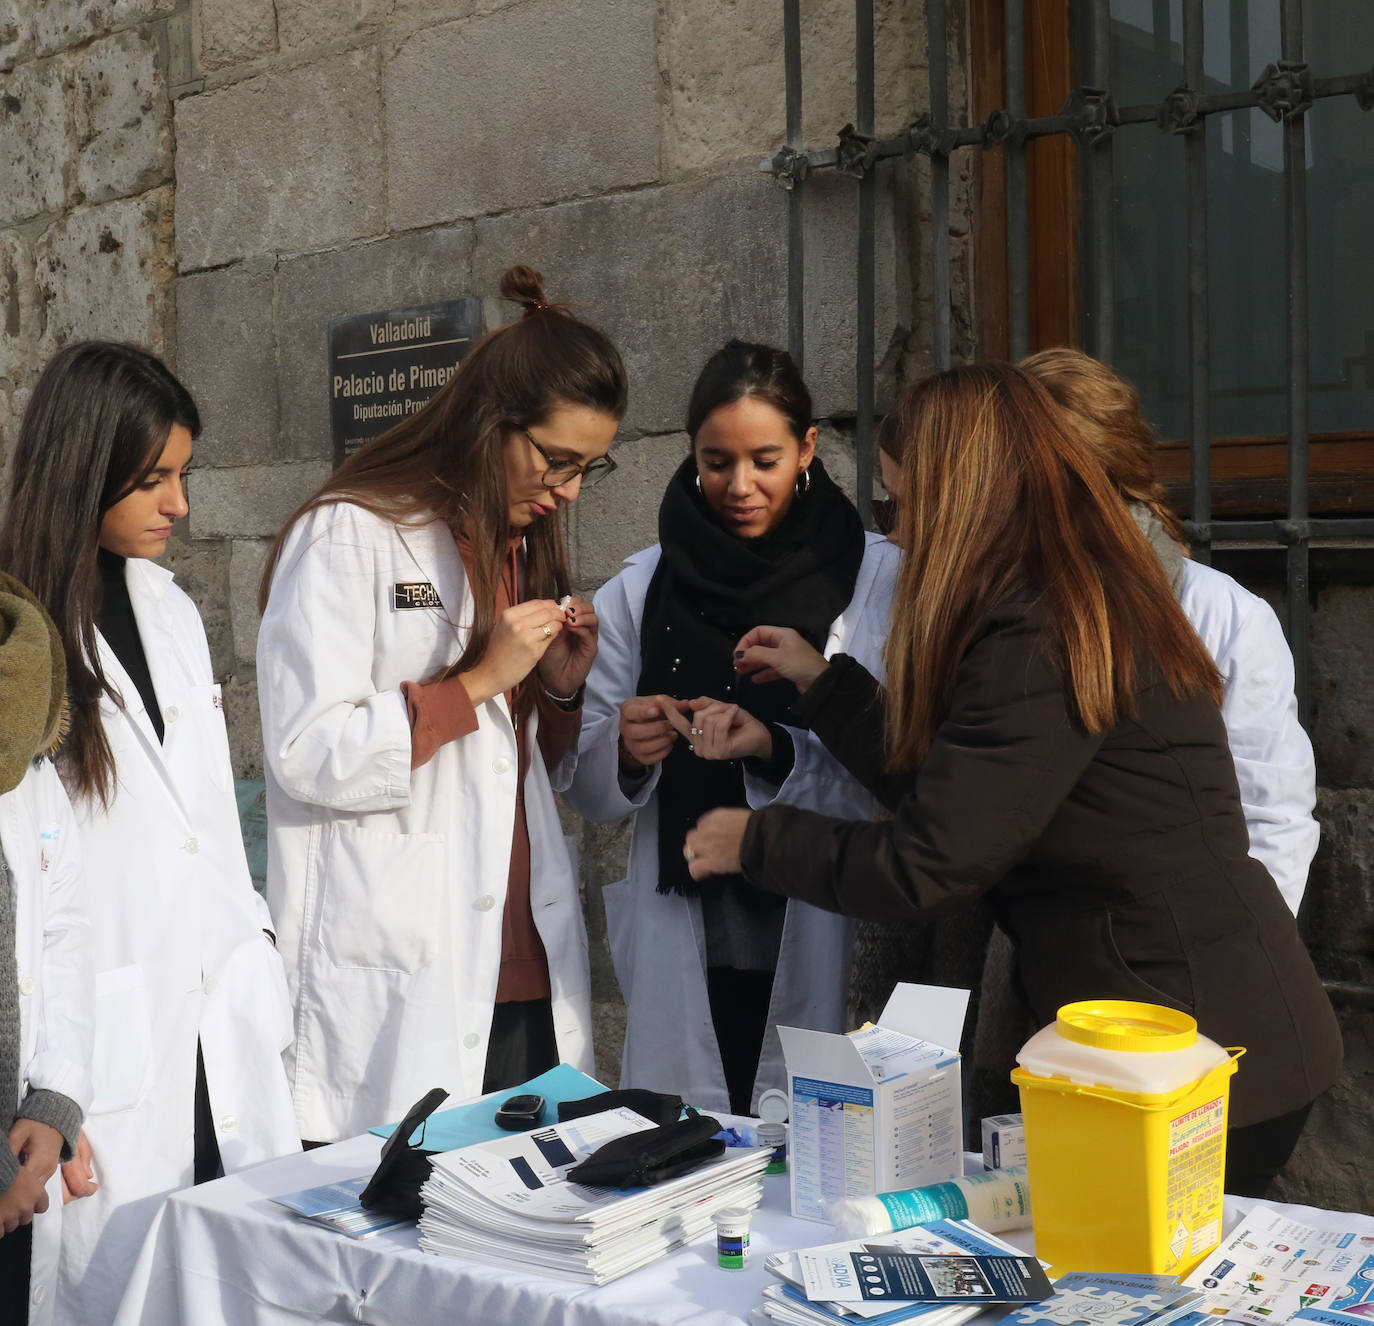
774, 1106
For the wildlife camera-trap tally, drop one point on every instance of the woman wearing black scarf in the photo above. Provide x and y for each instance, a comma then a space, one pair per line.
751, 530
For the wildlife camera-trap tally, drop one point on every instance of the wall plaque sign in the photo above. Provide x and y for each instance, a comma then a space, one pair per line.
384, 367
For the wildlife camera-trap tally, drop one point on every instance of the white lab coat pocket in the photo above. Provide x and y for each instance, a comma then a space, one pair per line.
620, 930
381, 908
123, 1047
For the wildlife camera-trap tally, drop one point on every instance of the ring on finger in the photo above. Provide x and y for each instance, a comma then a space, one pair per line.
689, 854
698, 731
547, 629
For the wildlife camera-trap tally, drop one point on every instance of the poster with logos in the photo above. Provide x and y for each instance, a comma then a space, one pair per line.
384, 367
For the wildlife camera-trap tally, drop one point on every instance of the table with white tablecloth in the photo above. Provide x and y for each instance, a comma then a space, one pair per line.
225, 1252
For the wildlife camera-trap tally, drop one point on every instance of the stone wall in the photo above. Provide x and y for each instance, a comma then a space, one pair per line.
216, 179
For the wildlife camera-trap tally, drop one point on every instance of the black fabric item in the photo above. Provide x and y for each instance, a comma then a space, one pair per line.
120, 629
16, 1257
709, 588
1255, 1154
642, 1159
739, 1012
521, 1045
207, 1158
657, 1106
404, 1167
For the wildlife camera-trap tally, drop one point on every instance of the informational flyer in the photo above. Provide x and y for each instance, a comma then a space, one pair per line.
875, 1273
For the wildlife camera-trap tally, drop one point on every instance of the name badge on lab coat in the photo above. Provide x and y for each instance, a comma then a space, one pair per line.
414, 594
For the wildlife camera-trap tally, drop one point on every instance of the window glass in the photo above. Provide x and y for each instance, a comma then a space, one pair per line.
1246, 267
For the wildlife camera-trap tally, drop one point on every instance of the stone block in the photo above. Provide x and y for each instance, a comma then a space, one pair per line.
235, 31
107, 272
247, 558
241, 717
620, 516
286, 161
1338, 907
61, 23
671, 275
16, 32
1342, 680
37, 132
20, 310
123, 120
304, 23
723, 70
251, 501
419, 268
202, 570
226, 355
521, 106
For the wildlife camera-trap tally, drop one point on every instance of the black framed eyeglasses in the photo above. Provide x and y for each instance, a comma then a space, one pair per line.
558, 472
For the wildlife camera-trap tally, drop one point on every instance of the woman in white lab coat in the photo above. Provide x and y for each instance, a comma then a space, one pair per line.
49, 968
418, 678
752, 530
191, 1013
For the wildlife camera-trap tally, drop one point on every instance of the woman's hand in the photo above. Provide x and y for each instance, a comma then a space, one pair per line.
521, 636
21, 1201
773, 653
78, 1174
646, 733
563, 668
38, 1146
713, 847
718, 731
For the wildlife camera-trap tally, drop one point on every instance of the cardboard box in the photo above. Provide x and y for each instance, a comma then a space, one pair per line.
1004, 1141
878, 1109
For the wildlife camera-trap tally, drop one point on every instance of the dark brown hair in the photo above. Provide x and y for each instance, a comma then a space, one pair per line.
999, 498
742, 368
447, 461
94, 427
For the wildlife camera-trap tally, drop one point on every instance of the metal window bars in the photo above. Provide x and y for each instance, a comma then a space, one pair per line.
1090, 116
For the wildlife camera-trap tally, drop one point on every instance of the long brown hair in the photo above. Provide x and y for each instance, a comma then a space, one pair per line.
1104, 410
447, 461
94, 427
999, 499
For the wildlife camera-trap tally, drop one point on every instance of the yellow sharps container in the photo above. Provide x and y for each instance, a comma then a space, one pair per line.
1124, 1107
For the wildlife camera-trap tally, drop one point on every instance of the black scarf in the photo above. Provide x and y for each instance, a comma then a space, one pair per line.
709, 588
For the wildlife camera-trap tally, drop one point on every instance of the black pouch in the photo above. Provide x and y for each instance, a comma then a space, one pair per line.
403, 1169
643, 1159
656, 1106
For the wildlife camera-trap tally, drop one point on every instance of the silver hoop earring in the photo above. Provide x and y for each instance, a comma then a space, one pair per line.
803, 484
699, 483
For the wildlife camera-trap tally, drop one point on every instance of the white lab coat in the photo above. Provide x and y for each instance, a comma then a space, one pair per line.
53, 958
1273, 756
180, 954
657, 939
389, 884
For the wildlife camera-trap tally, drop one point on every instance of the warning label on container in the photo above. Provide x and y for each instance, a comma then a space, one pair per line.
1197, 1142
1195, 1127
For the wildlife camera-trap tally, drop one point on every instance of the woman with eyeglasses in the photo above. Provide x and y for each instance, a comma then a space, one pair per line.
751, 529
421, 668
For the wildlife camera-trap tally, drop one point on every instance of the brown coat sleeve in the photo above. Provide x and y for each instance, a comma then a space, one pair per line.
1004, 759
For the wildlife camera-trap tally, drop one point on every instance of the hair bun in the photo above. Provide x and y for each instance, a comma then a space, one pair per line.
524, 286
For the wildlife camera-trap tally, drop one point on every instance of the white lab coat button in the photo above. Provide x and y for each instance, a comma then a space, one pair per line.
485, 903
500, 765
171, 714
40, 1294
470, 1040
26, 985
228, 1123
191, 846
209, 986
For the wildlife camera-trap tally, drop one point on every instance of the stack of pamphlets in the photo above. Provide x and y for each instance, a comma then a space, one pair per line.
1105, 1298
1274, 1269
336, 1206
508, 1201
948, 1272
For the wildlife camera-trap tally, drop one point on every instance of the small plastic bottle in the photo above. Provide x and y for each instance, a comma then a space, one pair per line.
995, 1200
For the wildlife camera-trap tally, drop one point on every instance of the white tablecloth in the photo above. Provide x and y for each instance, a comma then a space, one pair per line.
224, 1252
